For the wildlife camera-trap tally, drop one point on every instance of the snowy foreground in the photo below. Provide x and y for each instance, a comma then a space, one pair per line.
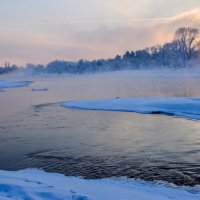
38, 185
13, 84
179, 107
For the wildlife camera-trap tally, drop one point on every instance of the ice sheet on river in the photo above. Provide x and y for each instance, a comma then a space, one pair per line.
179, 107
12, 84
38, 185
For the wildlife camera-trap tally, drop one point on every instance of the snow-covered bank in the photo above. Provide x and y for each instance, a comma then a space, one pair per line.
38, 185
180, 107
12, 84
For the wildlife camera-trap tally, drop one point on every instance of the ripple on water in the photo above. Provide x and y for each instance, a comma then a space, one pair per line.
105, 167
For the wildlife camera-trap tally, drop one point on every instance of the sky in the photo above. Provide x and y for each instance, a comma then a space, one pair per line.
39, 31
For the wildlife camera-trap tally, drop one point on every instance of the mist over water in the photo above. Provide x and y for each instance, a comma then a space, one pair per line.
35, 132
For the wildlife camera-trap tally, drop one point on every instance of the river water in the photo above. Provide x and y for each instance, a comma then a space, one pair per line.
36, 132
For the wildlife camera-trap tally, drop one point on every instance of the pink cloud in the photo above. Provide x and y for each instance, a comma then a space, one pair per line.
73, 42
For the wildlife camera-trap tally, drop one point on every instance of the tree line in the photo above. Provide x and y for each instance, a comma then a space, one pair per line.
183, 51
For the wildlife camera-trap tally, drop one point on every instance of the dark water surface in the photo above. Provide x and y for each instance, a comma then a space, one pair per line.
35, 132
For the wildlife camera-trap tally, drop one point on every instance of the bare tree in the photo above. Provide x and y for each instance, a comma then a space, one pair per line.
188, 40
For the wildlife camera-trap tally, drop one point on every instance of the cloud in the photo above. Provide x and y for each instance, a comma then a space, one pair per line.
110, 39
142, 34
89, 39
186, 19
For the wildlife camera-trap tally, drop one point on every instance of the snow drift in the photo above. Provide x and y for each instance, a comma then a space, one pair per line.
38, 185
179, 107
12, 84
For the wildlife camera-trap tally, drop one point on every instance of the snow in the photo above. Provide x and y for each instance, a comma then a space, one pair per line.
180, 107
12, 84
39, 185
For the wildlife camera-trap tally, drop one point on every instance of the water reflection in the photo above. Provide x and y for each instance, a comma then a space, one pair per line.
36, 132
